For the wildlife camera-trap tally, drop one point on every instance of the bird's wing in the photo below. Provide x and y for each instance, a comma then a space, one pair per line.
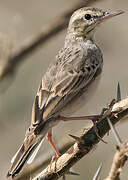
62, 81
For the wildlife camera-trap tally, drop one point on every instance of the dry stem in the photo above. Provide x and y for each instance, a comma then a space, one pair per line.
119, 160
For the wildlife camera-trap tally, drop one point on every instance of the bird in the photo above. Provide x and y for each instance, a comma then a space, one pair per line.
67, 85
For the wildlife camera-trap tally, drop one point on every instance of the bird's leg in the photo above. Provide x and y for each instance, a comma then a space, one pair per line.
96, 131
93, 118
49, 137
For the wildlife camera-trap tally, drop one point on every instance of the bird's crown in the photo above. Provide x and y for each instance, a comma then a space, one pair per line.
85, 20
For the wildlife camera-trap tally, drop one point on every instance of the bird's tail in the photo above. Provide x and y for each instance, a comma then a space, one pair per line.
26, 153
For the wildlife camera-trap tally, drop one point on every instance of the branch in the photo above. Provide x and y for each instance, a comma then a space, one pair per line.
119, 160
120, 157
85, 143
30, 45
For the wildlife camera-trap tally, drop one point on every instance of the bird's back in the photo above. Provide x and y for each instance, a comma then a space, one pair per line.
75, 68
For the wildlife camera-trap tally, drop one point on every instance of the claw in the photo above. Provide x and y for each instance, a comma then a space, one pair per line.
112, 103
116, 135
78, 139
97, 172
96, 131
118, 92
104, 110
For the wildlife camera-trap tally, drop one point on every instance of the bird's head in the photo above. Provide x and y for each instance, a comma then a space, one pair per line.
84, 21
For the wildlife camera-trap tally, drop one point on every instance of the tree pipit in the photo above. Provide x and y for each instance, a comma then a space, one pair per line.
67, 84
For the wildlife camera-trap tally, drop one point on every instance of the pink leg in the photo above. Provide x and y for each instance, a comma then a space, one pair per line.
93, 118
49, 137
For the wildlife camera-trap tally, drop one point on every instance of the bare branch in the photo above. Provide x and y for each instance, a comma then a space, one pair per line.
89, 138
119, 160
29, 46
120, 157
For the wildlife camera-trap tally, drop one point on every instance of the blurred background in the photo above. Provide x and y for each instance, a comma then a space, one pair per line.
23, 19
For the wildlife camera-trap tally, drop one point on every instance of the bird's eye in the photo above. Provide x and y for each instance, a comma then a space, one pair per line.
87, 16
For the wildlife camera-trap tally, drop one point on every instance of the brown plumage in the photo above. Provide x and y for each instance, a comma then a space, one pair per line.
67, 84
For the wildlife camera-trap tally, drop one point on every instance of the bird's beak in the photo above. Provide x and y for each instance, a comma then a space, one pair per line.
110, 14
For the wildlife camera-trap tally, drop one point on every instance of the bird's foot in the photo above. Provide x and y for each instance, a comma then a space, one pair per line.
93, 118
96, 131
55, 158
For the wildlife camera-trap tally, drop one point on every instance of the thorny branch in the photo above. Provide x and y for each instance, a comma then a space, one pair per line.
85, 143
120, 157
119, 160
29, 46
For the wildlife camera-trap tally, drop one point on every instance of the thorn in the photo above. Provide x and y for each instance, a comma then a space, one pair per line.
78, 139
97, 172
115, 133
72, 173
118, 92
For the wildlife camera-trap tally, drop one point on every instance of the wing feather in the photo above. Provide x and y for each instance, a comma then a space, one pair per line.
32, 157
62, 82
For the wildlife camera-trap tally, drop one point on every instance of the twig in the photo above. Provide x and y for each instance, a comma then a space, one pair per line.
120, 157
29, 46
119, 160
89, 138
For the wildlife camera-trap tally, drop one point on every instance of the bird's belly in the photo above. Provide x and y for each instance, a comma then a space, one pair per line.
79, 102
